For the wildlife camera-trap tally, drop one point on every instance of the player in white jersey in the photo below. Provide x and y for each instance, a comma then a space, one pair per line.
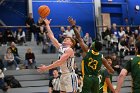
68, 79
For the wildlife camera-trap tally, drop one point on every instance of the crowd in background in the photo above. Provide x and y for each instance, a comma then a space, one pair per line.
115, 38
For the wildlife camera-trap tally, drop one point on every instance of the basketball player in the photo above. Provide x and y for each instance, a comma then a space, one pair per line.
106, 78
132, 66
68, 79
91, 63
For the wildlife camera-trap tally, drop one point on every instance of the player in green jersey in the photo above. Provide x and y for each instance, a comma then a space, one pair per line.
91, 63
132, 66
106, 79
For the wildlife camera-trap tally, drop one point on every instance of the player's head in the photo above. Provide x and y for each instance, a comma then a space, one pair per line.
109, 60
69, 41
55, 73
96, 46
137, 47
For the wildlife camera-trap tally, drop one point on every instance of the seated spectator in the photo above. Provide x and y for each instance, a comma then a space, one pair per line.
54, 83
9, 36
30, 59
2, 83
116, 64
41, 35
131, 45
69, 32
121, 32
20, 36
87, 39
61, 35
9, 59
15, 52
123, 48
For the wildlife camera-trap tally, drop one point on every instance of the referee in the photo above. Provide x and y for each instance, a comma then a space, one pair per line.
54, 83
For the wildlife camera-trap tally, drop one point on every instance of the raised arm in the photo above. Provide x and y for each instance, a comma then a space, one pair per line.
50, 34
110, 69
77, 34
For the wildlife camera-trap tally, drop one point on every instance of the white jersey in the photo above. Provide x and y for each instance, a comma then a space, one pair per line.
66, 67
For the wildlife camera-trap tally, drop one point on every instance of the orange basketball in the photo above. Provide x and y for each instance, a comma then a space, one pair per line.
43, 11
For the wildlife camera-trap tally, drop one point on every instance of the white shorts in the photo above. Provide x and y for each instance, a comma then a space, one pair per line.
68, 82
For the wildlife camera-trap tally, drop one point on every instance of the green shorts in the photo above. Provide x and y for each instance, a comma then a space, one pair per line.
90, 84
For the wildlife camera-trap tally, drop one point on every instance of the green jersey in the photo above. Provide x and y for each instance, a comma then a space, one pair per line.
103, 85
133, 66
91, 63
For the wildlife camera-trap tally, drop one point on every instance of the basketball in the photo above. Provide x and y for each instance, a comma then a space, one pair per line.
43, 11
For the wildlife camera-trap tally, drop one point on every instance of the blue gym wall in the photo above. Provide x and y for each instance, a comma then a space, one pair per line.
83, 13
14, 12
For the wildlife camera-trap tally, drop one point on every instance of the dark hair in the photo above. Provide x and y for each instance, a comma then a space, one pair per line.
137, 45
96, 46
108, 57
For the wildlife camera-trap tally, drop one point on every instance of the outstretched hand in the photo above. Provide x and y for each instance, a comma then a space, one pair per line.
42, 68
47, 22
71, 21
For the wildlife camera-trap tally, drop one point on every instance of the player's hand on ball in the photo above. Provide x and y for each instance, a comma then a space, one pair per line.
71, 21
42, 68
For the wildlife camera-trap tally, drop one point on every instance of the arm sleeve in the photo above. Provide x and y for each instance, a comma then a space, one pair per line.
128, 66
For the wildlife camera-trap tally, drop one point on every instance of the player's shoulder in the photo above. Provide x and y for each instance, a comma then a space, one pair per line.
69, 49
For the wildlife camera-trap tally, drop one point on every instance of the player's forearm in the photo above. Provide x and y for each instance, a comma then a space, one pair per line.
48, 28
110, 69
110, 85
82, 44
54, 65
120, 82
77, 34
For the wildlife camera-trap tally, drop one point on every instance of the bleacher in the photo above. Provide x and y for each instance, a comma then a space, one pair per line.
35, 82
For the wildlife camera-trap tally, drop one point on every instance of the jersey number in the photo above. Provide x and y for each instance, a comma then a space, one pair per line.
93, 63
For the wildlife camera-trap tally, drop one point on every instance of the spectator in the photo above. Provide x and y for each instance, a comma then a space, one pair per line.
87, 39
9, 37
106, 37
40, 31
9, 59
121, 32
123, 48
69, 32
30, 59
15, 52
80, 31
61, 35
2, 83
131, 45
116, 64
20, 36
31, 27
54, 83
128, 31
